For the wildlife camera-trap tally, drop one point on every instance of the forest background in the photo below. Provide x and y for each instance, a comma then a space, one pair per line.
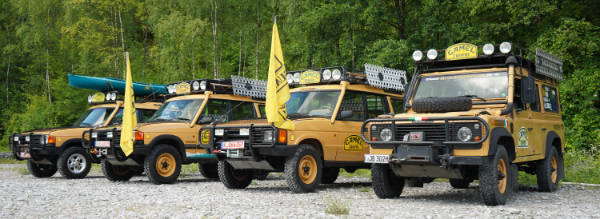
41, 41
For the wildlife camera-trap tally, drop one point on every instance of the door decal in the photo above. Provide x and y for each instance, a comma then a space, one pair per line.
353, 143
522, 138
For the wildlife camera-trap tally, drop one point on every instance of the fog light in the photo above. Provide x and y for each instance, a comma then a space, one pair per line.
109, 134
244, 131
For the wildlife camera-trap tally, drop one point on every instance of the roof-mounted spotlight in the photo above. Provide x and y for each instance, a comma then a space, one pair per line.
432, 54
505, 47
488, 49
417, 55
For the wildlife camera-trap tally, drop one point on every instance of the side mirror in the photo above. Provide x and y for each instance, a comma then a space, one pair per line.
527, 90
205, 120
346, 114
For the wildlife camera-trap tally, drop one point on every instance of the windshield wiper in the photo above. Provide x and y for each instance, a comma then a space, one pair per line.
182, 118
474, 96
297, 115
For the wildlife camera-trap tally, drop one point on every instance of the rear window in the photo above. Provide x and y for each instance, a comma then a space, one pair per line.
550, 98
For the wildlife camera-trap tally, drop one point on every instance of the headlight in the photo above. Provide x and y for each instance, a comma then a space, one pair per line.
297, 77
94, 134
488, 49
219, 132
385, 134
417, 55
336, 74
203, 85
326, 74
432, 54
196, 85
16, 138
505, 47
268, 136
290, 78
44, 139
464, 134
27, 138
109, 134
244, 131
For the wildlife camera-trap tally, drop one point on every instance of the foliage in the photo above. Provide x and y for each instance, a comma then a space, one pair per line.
337, 207
41, 41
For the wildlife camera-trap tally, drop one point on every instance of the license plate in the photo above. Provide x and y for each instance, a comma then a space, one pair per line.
102, 144
228, 145
415, 136
24, 155
377, 158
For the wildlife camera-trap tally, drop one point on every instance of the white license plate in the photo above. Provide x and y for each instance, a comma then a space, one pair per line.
24, 155
102, 144
377, 158
228, 145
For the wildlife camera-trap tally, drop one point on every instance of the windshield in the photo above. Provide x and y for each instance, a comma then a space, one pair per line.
312, 104
178, 110
484, 85
94, 117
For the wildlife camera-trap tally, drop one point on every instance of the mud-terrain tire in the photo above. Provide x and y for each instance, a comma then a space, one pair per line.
385, 183
494, 178
460, 183
232, 178
74, 163
40, 170
547, 171
208, 170
330, 174
304, 169
163, 164
442, 104
514, 177
116, 173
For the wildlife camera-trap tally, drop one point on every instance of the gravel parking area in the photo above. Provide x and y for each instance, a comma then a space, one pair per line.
194, 196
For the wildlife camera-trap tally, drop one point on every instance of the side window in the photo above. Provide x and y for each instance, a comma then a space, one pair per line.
216, 109
517, 95
354, 102
144, 114
263, 113
535, 106
398, 105
118, 119
242, 110
376, 105
550, 97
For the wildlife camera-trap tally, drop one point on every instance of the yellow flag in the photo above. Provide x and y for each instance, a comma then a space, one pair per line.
129, 117
278, 91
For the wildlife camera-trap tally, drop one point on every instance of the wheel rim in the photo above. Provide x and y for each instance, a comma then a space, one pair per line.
307, 169
502, 176
554, 169
165, 165
238, 174
76, 163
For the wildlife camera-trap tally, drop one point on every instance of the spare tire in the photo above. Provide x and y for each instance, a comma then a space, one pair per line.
442, 104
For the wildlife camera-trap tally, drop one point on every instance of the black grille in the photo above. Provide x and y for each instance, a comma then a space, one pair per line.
256, 135
114, 141
431, 131
35, 141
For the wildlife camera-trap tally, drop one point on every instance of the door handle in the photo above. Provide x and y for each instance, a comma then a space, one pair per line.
529, 129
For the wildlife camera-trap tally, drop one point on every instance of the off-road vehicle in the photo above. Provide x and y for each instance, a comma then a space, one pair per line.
170, 137
327, 107
473, 116
49, 150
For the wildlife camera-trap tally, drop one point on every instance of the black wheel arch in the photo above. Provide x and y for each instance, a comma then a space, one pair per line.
501, 136
553, 140
316, 144
73, 142
170, 140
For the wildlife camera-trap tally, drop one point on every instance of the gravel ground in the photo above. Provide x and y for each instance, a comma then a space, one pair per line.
194, 196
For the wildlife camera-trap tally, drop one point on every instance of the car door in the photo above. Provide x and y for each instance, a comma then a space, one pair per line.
350, 146
523, 126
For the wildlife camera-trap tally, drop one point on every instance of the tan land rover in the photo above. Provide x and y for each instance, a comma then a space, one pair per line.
473, 115
327, 107
170, 137
60, 148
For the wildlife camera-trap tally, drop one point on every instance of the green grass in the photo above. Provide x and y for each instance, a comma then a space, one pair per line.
189, 169
4, 148
358, 173
337, 207
11, 161
21, 170
581, 167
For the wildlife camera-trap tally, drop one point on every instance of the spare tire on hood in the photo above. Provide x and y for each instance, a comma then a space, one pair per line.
442, 104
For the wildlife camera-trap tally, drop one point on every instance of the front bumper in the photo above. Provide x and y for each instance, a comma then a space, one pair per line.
31, 146
113, 150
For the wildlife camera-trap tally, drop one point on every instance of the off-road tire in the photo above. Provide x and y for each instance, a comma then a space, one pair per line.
385, 183
208, 170
544, 171
116, 173
442, 104
413, 182
330, 174
460, 183
514, 177
63, 160
151, 161
489, 178
305, 154
232, 178
40, 170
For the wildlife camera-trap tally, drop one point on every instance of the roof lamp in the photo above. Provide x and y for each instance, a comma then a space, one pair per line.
488, 49
203, 85
297, 77
290, 78
326, 74
432, 54
505, 47
196, 85
417, 55
336, 74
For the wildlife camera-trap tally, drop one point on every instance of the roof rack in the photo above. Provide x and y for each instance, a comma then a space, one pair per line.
386, 78
249, 87
114, 96
548, 64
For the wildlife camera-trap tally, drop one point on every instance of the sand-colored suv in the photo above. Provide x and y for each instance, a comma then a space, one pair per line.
473, 115
327, 106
